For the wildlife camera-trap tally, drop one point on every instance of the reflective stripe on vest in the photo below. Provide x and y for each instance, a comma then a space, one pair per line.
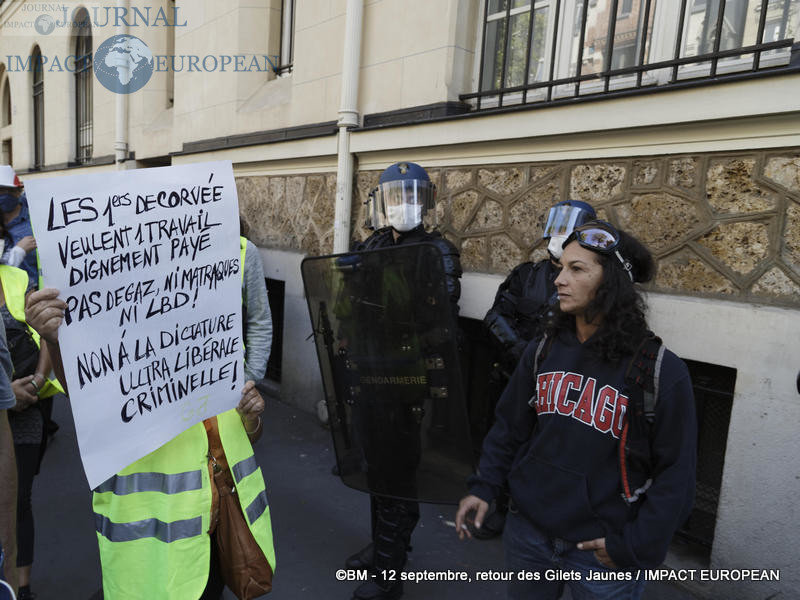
175, 483
257, 507
244, 467
148, 528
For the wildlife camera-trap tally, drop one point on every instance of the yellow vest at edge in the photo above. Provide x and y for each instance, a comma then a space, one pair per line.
15, 284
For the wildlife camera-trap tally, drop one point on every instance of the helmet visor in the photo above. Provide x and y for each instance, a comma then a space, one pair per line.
561, 220
404, 204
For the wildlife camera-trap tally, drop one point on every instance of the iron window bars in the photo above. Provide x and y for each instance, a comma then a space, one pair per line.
83, 91
566, 36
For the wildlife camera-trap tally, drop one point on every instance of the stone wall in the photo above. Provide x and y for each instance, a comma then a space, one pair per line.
720, 225
289, 213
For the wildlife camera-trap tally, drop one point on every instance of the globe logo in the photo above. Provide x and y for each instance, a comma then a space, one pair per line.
44, 24
123, 64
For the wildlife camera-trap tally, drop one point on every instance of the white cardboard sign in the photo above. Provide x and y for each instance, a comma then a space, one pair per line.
148, 263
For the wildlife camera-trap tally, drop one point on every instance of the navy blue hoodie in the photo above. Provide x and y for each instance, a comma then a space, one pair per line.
561, 457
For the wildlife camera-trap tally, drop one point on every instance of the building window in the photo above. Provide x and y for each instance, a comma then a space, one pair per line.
551, 50
713, 27
83, 88
7, 156
6, 110
276, 291
5, 117
286, 59
38, 109
516, 36
713, 387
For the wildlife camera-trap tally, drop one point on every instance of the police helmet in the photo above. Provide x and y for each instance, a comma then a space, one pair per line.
562, 219
404, 199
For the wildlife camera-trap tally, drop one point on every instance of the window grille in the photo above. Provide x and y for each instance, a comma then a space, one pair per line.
713, 395
548, 51
83, 89
286, 61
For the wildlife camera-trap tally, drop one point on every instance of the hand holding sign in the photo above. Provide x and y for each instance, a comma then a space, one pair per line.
44, 311
147, 264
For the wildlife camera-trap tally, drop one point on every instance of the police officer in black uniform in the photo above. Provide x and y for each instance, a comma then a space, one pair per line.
400, 208
518, 314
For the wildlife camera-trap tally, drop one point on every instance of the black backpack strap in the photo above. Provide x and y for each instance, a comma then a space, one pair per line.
641, 386
541, 353
642, 377
651, 397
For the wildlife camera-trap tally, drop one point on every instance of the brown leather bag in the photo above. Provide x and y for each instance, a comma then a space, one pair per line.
244, 567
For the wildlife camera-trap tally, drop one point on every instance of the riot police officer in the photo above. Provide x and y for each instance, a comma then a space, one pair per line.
518, 315
399, 210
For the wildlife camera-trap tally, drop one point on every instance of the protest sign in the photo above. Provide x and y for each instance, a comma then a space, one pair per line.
148, 263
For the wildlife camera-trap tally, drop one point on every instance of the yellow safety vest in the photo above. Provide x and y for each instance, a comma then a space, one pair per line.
15, 283
152, 518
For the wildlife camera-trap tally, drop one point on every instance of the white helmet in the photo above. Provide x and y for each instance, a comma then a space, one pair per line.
8, 178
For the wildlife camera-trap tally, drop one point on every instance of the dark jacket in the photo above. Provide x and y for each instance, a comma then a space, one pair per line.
384, 238
520, 309
561, 456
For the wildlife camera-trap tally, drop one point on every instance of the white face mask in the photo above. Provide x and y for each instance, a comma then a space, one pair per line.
404, 217
554, 246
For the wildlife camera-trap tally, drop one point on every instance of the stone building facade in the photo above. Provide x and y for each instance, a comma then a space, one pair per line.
720, 225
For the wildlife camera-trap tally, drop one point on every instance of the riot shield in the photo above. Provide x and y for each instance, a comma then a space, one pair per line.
388, 353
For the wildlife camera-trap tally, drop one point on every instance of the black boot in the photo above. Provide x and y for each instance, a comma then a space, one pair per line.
392, 535
25, 593
361, 559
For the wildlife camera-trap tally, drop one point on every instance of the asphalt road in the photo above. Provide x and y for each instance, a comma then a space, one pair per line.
317, 522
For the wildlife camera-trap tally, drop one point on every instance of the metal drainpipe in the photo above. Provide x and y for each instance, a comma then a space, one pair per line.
348, 118
121, 101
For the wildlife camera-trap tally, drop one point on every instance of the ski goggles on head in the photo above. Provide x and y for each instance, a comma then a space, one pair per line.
601, 237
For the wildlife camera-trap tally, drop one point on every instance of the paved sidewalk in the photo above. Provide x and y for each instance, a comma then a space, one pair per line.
317, 523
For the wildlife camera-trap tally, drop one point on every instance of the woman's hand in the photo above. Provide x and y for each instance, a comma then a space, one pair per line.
599, 547
467, 505
24, 393
250, 408
27, 243
45, 312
